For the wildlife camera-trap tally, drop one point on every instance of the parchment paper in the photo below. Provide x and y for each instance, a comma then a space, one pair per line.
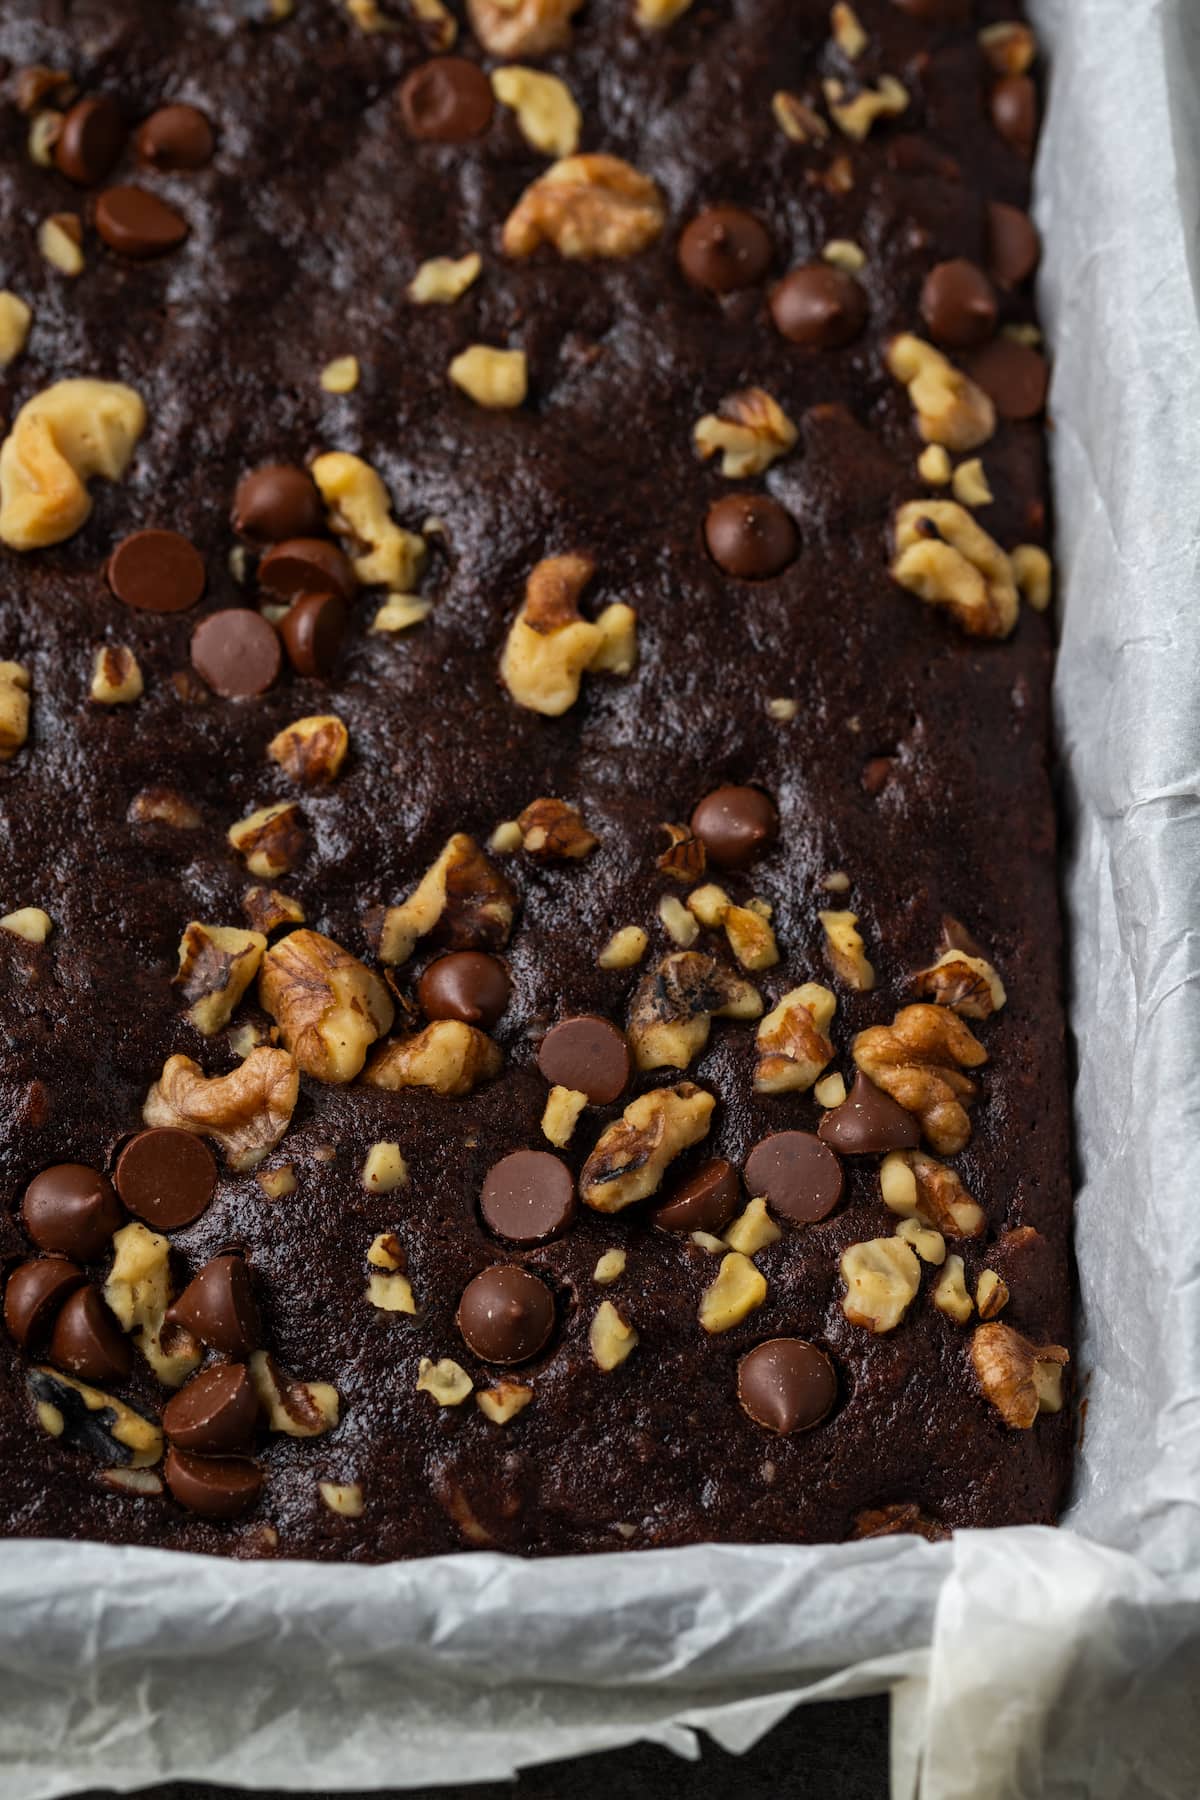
1022, 1662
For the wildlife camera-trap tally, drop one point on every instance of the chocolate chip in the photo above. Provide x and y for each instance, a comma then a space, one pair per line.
219, 1308
799, 1177
237, 652
506, 1314
176, 137
90, 140
724, 248
868, 1122
216, 1412
786, 1385
819, 305
467, 985
306, 565
735, 824
87, 1341
958, 304
275, 502
166, 1177
216, 1487
1014, 109
36, 1291
446, 100
138, 224
588, 1054
73, 1210
1014, 375
312, 630
1013, 246
750, 536
528, 1197
156, 571
706, 1201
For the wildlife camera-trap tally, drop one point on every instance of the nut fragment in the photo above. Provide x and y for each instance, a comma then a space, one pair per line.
751, 937
391, 1292
950, 1294
386, 1252
446, 1380
60, 440
522, 27
116, 677
933, 466
856, 116
60, 235
444, 279
1009, 47
918, 1060
14, 709
847, 30
246, 1111
917, 1186
610, 1337
89, 1419
217, 963
675, 1004
340, 376
656, 15
267, 908
448, 1056
609, 1268
138, 1291
797, 120
296, 1408
969, 484
624, 949
496, 379
360, 514
329, 1007
685, 857
547, 115
462, 894
550, 644
750, 429
929, 1244
311, 750
947, 559
753, 1229
844, 948
270, 839
844, 253
633, 1153
400, 611
882, 1278
1019, 1378
1033, 573
991, 1294
968, 985
28, 922
951, 409
586, 206
554, 831
163, 806
342, 1497
678, 923
737, 1290
561, 1115
792, 1041
15, 320
504, 1401
278, 1183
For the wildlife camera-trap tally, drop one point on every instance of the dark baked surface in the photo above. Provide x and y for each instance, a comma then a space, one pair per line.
916, 761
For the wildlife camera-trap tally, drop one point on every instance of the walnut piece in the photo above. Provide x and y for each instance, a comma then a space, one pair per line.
446, 1380
15, 319
522, 27
610, 1338
1033, 573
844, 948
656, 15
675, 1004
968, 985
846, 29
138, 1291
1009, 47
294, 1407
797, 120
882, 1277
28, 922
624, 949
360, 513
917, 1186
678, 923
855, 117
792, 1041
554, 831
504, 1401
591, 206
900, 1516
928, 1243
463, 895
60, 235
951, 409
311, 750
633, 1153
116, 677
561, 1115
950, 1294
60, 440
14, 709
969, 484
217, 963
737, 1290
1019, 1378
391, 1291
270, 838
246, 1112
685, 857
89, 1419
750, 429
753, 1229
444, 279
547, 116
495, 379
610, 1267
918, 1059
164, 806
329, 1007
991, 1294
550, 644
384, 1169
946, 558
449, 1056
342, 1497
751, 937
341, 376
266, 909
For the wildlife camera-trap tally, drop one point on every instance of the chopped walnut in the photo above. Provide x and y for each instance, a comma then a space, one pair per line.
611, 1339
550, 644
561, 1115
1033, 573
946, 558
14, 709
1019, 1378
751, 938
270, 839
634, 1152
444, 279
882, 1278
449, 1056
951, 409
386, 1252
60, 235
246, 1111
504, 1401
901, 1516
138, 1291
918, 1060
678, 923
968, 985
844, 948
554, 831
856, 117
267, 908
797, 120
830, 1091
278, 1183
89, 1419
312, 750
917, 1186
624, 949
163, 806
217, 963
447, 1381
391, 1291
59, 441
709, 904
360, 513
329, 1007
462, 895
737, 1290
928, 1243
522, 27
933, 466
342, 1497
750, 429
438, 25
401, 611
1009, 47
609, 1268
116, 677
384, 1169
296, 1408
589, 206
950, 1294
341, 376
656, 15
792, 1041
15, 319
847, 30
753, 1229
969, 484
547, 116
495, 379
675, 1004
991, 1294
844, 253
28, 922
685, 857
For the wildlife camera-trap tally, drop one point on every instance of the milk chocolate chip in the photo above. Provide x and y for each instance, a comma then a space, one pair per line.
90, 140
724, 248
215, 1413
166, 1177
588, 1054
786, 1385
87, 1341
735, 824
156, 571
176, 137
958, 304
73, 1210
706, 1201
750, 536
506, 1314
819, 305
528, 1197
306, 565
35, 1293
138, 224
275, 502
218, 1306
799, 1177
446, 100
467, 985
868, 1122
216, 1487
236, 652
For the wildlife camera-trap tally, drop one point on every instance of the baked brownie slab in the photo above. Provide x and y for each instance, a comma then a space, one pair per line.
531, 1000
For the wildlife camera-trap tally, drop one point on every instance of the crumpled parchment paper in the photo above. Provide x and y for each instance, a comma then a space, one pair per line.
1034, 1663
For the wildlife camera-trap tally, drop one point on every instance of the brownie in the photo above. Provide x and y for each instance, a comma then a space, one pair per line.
532, 1012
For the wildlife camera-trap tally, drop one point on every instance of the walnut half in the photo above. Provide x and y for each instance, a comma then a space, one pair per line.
946, 558
329, 1007
676, 1003
60, 440
449, 1056
246, 1112
217, 963
550, 644
792, 1041
918, 1059
462, 895
632, 1155
589, 206
1019, 1378
951, 410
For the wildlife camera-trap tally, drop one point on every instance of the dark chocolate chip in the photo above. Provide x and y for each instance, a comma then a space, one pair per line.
1013, 246
786, 1385
819, 305
216, 1487
588, 1054
87, 1341
528, 1197
275, 502
73, 1210
305, 565
312, 630
1014, 375
868, 1122
219, 1308
90, 139
156, 571
799, 1177
216, 1412
166, 1177
506, 1314
237, 652
735, 825
1014, 108
176, 137
958, 304
446, 100
724, 248
467, 985
706, 1201
138, 224
750, 536
36, 1291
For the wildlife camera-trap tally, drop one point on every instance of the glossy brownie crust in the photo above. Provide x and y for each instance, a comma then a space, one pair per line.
916, 760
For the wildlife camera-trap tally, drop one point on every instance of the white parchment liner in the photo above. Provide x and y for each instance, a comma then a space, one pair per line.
1022, 1662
